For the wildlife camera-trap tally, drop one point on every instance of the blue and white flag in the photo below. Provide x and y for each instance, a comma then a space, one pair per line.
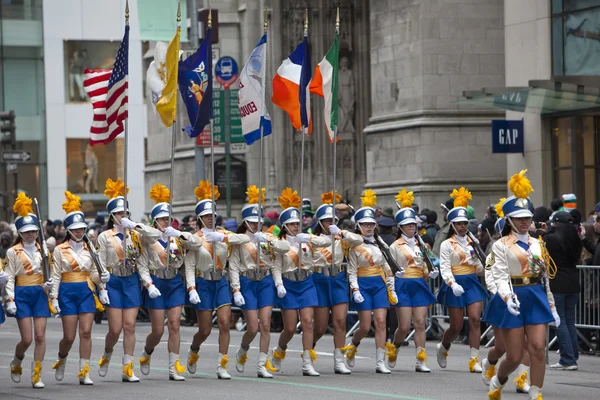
251, 94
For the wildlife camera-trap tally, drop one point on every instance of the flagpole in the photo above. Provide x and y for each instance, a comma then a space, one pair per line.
333, 200
263, 73
212, 161
125, 146
304, 132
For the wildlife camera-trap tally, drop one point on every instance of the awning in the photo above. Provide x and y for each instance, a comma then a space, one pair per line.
543, 97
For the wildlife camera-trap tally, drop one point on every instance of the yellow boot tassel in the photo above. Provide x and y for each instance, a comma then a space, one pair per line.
392, 352
243, 359
128, 369
144, 360
349, 351
422, 356
224, 361
178, 367
313, 355
194, 357
490, 372
57, 364
269, 367
84, 371
103, 361
495, 394
280, 355
37, 372
472, 364
521, 380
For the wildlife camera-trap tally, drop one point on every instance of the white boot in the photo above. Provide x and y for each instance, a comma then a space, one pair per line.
421, 365
350, 353
84, 372
442, 355
277, 356
222, 367
127, 373
16, 370
487, 371
474, 365
192, 360
103, 363
36, 375
59, 366
522, 381
535, 393
392, 354
240, 360
175, 368
339, 366
380, 367
495, 389
307, 363
264, 367
145, 362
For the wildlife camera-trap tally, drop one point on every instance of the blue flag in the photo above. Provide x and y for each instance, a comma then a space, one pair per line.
195, 86
305, 77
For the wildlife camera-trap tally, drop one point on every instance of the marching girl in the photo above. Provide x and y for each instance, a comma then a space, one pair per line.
523, 303
3, 280
26, 292
372, 284
163, 270
488, 365
122, 294
206, 282
330, 279
294, 283
75, 277
460, 289
252, 285
414, 296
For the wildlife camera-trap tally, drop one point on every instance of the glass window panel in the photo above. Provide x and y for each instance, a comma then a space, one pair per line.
557, 6
557, 46
589, 147
582, 42
89, 167
572, 5
590, 191
562, 141
564, 182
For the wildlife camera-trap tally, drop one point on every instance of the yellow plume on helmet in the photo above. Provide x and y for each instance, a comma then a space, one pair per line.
461, 197
204, 191
73, 203
327, 198
22, 205
405, 199
498, 208
289, 198
252, 194
369, 199
520, 185
115, 188
160, 194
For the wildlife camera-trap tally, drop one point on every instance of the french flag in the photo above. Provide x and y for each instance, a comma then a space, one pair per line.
291, 90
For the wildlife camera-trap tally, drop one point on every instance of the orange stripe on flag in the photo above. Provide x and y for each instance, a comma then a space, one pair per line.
285, 96
316, 85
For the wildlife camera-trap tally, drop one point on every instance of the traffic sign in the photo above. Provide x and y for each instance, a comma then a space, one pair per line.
219, 121
226, 71
16, 156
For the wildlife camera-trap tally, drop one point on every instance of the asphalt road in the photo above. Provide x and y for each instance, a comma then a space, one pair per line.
455, 382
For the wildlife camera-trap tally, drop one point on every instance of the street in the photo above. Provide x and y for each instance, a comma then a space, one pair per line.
453, 383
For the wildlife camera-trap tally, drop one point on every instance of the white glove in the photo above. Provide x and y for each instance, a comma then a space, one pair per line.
104, 276
55, 305
214, 237
281, 292
513, 305
45, 249
11, 308
48, 285
153, 292
238, 299
103, 296
303, 237
194, 298
556, 322
457, 289
358, 298
127, 223
434, 274
3, 278
170, 231
260, 237
400, 273
334, 230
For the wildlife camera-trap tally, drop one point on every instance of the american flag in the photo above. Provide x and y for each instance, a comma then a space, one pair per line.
107, 89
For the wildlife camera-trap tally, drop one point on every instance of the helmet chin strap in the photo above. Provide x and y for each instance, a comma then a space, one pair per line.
362, 231
73, 238
23, 239
453, 228
512, 224
248, 226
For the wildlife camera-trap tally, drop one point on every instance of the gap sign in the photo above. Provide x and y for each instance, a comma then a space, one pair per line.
507, 136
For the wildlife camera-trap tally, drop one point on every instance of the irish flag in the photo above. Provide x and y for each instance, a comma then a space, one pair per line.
325, 84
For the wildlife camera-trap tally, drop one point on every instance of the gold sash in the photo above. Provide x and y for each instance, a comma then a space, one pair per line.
463, 269
29, 280
116, 245
412, 270
20, 252
459, 250
77, 275
161, 251
511, 243
209, 247
371, 271
326, 253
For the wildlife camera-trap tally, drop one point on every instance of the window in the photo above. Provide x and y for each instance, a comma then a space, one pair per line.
575, 37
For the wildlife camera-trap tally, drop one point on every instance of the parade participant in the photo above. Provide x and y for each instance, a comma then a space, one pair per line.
523, 303
164, 270
330, 279
294, 283
252, 285
488, 365
372, 284
459, 267
26, 292
3, 280
74, 293
207, 285
122, 294
414, 296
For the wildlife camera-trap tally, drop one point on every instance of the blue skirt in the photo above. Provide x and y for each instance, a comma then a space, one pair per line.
172, 293
213, 294
374, 291
534, 309
299, 294
124, 292
474, 292
257, 294
2, 317
331, 290
413, 292
31, 301
75, 298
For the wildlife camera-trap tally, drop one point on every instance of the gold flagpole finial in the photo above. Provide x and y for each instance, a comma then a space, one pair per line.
210, 18
266, 20
337, 21
306, 22
127, 10
179, 11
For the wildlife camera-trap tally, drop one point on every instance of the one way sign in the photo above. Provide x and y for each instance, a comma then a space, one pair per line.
16, 156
